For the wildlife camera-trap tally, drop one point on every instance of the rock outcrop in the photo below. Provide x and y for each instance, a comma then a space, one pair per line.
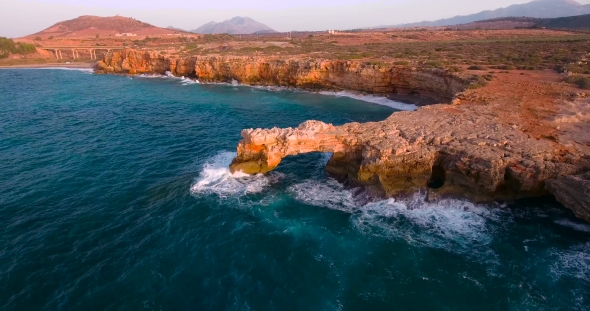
429, 149
573, 192
293, 72
502, 143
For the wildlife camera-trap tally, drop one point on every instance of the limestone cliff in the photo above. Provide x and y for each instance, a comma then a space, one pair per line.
293, 72
573, 192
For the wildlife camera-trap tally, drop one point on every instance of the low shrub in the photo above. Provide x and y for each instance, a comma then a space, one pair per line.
455, 69
477, 82
477, 67
580, 81
504, 67
435, 64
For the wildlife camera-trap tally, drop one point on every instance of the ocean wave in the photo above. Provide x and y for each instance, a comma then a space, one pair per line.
574, 262
573, 225
330, 194
452, 224
216, 178
383, 101
168, 75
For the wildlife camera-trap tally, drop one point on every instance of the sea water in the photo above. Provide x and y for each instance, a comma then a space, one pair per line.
115, 194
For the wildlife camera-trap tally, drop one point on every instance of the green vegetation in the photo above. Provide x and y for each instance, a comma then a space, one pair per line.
525, 53
479, 81
580, 81
7, 47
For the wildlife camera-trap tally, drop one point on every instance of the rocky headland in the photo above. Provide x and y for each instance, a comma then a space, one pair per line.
526, 134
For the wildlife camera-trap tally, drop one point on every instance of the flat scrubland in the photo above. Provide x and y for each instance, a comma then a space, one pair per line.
486, 52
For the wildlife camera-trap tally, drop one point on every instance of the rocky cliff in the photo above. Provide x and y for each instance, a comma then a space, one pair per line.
294, 72
574, 192
505, 141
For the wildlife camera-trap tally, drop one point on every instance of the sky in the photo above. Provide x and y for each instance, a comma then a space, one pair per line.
24, 17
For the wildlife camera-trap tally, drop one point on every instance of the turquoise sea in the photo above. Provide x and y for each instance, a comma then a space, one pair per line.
115, 195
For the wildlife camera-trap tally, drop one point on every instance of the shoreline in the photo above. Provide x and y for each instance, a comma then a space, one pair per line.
49, 65
395, 101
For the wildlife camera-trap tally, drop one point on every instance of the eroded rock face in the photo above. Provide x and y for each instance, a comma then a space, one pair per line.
573, 192
293, 72
460, 150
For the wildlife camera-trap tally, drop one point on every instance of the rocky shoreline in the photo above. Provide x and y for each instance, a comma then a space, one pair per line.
524, 135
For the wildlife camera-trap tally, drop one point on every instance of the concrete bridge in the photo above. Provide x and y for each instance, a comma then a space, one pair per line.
75, 50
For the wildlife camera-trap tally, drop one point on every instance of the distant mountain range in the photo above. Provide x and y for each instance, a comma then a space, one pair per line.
537, 8
236, 25
578, 22
90, 26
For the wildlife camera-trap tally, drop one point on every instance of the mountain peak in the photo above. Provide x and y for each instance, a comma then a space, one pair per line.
234, 25
91, 26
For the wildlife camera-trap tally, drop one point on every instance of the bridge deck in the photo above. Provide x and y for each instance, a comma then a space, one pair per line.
82, 47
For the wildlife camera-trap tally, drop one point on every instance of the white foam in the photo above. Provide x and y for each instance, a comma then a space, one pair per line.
383, 101
574, 262
188, 81
216, 178
454, 225
573, 225
168, 75
330, 194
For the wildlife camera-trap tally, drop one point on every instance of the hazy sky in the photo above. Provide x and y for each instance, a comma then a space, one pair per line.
23, 17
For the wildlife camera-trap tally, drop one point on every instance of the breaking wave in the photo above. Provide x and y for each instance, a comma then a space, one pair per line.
451, 224
383, 101
573, 225
216, 178
330, 194
168, 75
574, 262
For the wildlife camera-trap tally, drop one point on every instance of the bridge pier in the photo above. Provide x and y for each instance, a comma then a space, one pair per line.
76, 50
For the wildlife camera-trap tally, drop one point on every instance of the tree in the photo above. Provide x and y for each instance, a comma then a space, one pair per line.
50, 38
38, 38
97, 36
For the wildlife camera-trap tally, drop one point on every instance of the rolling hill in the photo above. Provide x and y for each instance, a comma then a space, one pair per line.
236, 25
90, 26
